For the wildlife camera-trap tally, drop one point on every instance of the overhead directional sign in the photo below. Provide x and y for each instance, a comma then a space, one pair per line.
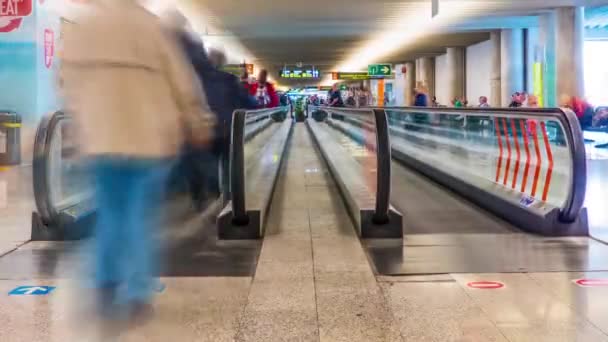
300, 73
31, 291
356, 76
380, 70
238, 69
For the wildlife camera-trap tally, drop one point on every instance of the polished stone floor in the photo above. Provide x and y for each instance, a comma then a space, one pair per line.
16, 205
310, 280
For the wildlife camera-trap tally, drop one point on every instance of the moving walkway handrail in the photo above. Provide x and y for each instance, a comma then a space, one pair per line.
572, 130
383, 155
241, 118
41, 165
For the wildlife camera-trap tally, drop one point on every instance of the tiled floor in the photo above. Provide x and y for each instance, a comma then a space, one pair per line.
312, 282
16, 205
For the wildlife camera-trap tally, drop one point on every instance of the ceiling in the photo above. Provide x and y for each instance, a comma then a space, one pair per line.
328, 33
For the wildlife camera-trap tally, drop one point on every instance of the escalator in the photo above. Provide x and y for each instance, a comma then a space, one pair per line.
459, 214
63, 189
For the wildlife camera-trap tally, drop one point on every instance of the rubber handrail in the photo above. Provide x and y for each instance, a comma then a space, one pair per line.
41, 166
383, 155
237, 160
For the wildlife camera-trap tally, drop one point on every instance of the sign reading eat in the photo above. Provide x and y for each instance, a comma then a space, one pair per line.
12, 13
15, 8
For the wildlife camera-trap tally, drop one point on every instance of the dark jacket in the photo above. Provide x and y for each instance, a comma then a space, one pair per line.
223, 90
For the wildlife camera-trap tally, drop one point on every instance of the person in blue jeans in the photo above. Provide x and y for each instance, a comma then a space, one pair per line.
135, 101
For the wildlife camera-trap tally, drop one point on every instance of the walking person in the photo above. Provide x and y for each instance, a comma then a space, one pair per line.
265, 91
135, 100
224, 93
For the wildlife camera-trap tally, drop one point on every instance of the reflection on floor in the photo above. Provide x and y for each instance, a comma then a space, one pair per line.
16, 205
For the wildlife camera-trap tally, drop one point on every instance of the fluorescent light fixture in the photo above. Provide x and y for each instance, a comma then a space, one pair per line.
412, 25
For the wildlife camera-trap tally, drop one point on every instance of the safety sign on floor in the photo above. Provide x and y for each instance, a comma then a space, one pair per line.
31, 291
486, 285
591, 282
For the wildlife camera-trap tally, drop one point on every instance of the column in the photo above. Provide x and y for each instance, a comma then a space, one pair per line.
410, 83
425, 71
456, 70
399, 85
495, 98
545, 55
569, 51
511, 63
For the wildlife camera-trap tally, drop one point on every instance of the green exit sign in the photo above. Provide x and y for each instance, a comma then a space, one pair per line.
380, 70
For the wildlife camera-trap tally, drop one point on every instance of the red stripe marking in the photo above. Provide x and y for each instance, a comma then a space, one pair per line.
515, 139
591, 282
499, 138
486, 285
550, 157
538, 161
524, 132
507, 139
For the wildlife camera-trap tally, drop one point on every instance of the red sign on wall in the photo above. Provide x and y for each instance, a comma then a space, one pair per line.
12, 13
49, 47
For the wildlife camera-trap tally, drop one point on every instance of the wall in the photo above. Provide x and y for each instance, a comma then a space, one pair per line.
28, 86
441, 80
479, 70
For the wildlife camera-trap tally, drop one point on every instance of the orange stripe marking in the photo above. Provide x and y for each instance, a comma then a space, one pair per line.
550, 157
499, 138
507, 139
515, 139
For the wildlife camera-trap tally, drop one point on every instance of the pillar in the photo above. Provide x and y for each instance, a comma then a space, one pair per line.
425, 72
410, 83
569, 42
511, 63
456, 69
495, 97
545, 57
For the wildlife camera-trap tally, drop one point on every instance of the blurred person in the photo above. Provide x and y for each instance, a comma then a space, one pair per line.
457, 102
420, 96
600, 119
434, 102
245, 83
532, 101
532, 124
483, 102
583, 110
363, 98
264, 91
516, 100
135, 101
350, 99
224, 95
335, 97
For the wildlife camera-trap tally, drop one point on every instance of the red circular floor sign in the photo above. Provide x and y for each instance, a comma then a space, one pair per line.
591, 282
486, 285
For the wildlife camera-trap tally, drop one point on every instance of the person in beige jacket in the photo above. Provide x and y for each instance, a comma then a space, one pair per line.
135, 101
